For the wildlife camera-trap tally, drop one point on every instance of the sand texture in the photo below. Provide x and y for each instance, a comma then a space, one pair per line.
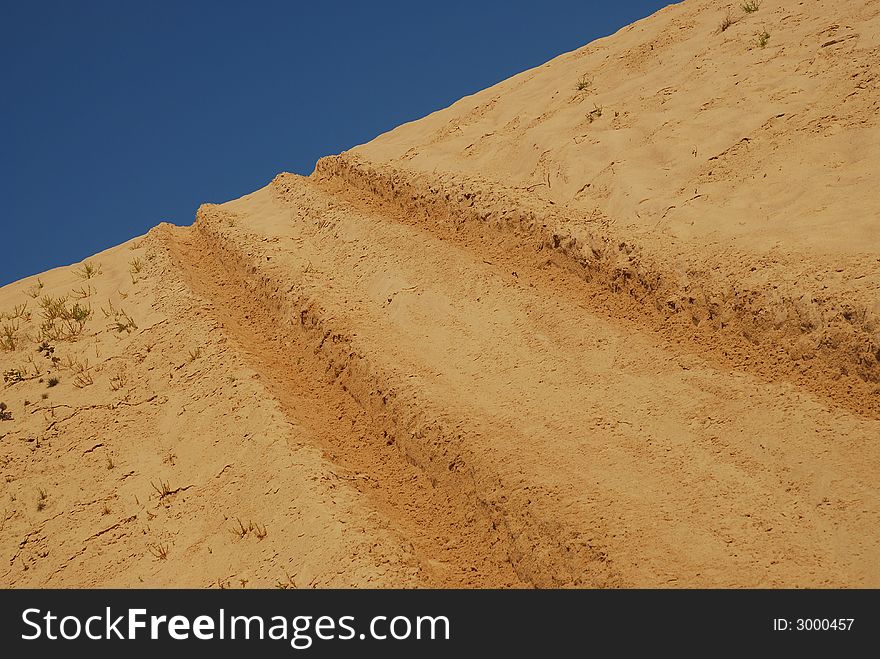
612, 322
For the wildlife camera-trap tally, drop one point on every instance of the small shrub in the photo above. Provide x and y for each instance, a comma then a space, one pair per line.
110, 463
78, 313
34, 291
9, 335
89, 270
195, 354
726, 22
159, 551
19, 311
241, 530
135, 266
52, 307
763, 38
82, 377
594, 114
162, 489
83, 292
122, 322
53, 381
750, 7
583, 84
60, 322
5, 414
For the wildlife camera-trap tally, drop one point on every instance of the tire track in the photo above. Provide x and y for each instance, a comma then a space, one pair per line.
456, 546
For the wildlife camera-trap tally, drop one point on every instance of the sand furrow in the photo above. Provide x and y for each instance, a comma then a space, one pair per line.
592, 446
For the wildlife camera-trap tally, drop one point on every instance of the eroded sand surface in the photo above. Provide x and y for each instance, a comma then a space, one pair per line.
517, 343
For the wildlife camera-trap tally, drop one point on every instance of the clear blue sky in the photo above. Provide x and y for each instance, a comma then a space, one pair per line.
117, 115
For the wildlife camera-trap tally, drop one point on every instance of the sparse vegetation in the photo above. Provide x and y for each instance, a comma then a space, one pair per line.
594, 114
34, 365
110, 463
53, 381
34, 291
19, 311
81, 376
88, 270
726, 22
162, 489
159, 551
60, 322
763, 38
106, 510
52, 307
121, 321
83, 380
83, 292
41, 502
289, 584
195, 354
583, 84
751, 6
9, 335
134, 268
5, 414
242, 531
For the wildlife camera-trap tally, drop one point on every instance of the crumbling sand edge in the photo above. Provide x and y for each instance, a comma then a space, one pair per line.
841, 335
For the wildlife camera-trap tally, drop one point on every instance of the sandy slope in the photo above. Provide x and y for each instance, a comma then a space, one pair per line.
171, 405
739, 179
445, 360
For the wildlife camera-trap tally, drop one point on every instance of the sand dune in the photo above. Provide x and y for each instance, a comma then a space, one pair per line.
612, 322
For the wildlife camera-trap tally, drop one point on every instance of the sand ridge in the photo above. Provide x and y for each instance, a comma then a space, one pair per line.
621, 335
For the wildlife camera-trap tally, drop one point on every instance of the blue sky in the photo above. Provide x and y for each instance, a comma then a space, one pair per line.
119, 115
